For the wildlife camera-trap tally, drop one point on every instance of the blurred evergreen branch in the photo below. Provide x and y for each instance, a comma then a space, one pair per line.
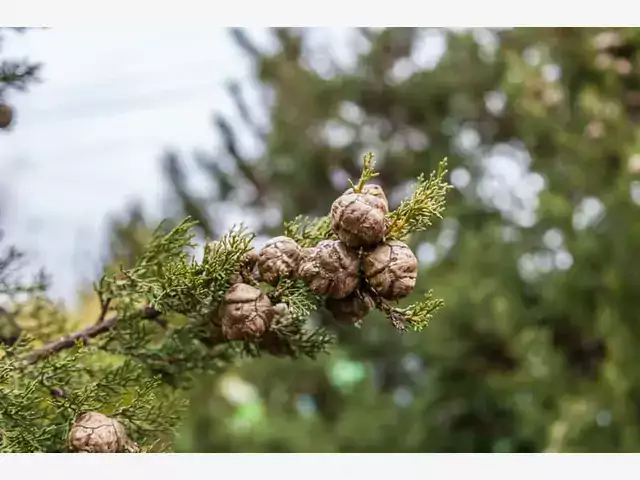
17, 74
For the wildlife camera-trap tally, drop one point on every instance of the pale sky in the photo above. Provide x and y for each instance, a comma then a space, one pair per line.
88, 138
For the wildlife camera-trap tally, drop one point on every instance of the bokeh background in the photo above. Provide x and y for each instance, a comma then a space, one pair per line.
537, 258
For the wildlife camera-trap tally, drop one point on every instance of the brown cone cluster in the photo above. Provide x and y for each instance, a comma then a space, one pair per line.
389, 268
349, 272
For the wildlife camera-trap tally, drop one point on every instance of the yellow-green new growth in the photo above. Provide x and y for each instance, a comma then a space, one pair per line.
420, 313
368, 172
308, 232
427, 201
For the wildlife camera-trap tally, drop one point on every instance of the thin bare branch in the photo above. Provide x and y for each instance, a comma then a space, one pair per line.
82, 335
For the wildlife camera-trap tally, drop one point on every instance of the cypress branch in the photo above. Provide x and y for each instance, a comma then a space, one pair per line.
159, 325
103, 325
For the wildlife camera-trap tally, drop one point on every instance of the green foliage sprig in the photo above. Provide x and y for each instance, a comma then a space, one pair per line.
308, 232
426, 202
368, 173
416, 315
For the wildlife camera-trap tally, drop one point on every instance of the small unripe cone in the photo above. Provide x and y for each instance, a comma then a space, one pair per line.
93, 432
330, 269
351, 309
391, 270
358, 219
279, 258
246, 312
6, 115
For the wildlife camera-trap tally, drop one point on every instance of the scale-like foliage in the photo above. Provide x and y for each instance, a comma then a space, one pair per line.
416, 213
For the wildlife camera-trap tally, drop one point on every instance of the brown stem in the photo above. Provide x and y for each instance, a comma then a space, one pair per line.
103, 310
85, 334
397, 320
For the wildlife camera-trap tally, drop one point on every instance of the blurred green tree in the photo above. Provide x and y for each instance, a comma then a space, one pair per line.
537, 259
